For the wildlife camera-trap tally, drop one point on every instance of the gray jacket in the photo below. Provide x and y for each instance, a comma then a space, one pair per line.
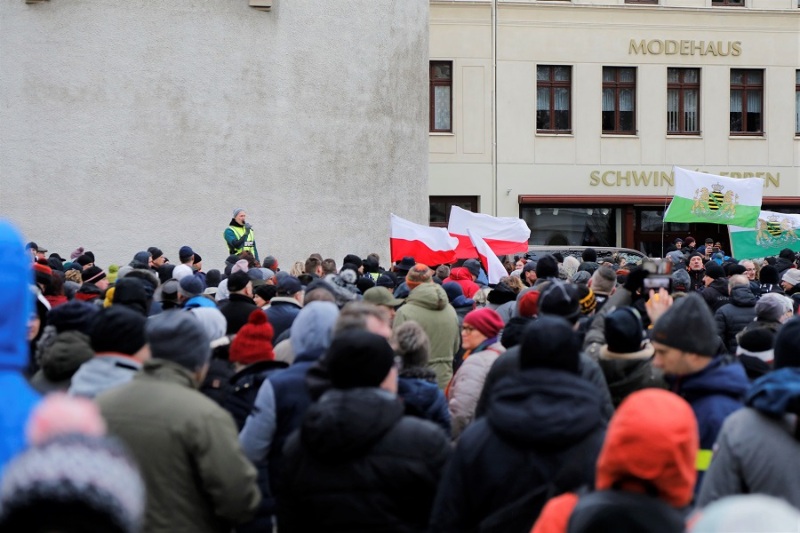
754, 453
103, 372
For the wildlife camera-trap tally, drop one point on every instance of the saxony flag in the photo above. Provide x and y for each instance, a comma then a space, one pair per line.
773, 233
714, 199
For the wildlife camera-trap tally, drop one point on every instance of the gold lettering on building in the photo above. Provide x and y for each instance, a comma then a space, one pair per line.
656, 178
685, 48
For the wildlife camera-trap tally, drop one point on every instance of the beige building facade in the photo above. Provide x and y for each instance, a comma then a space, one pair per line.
572, 114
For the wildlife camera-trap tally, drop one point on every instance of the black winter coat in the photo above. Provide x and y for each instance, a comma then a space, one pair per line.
734, 316
508, 364
716, 294
538, 422
358, 464
236, 310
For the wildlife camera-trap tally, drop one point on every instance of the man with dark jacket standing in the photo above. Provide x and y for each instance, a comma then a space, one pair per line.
696, 271
285, 306
357, 463
732, 317
186, 446
237, 308
715, 293
540, 437
686, 349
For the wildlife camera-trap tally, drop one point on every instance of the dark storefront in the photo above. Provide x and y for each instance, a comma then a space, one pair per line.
630, 222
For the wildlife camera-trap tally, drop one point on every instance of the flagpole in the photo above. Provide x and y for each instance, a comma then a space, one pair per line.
664, 224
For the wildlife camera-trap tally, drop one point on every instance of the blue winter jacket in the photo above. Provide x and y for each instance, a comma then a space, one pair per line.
715, 392
16, 396
424, 399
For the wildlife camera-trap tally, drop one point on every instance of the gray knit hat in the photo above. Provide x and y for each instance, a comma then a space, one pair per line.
72, 482
179, 337
689, 326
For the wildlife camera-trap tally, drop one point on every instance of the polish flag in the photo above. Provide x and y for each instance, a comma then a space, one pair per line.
491, 264
504, 235
427, 245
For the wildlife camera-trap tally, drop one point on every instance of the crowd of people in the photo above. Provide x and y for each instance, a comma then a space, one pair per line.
574, 395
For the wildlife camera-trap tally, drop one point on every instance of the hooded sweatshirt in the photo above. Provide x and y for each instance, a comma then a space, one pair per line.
541, 425
463, 277
647, 460
428, 305
103, 372
16, 301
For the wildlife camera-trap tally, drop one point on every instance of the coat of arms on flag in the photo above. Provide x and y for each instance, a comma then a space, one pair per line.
773, 232
718, 201
701, 197
776, 230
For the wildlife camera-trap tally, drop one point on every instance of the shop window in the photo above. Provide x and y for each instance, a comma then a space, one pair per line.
683, 101
619, 100
570, 225
440, 207
737, 3
747, 90
441, 96
553, 96
797, 102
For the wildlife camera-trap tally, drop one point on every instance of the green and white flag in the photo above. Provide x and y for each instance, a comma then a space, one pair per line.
714, 199
774, 232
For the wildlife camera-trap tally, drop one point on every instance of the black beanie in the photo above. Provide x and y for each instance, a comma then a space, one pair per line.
118, 329
353, 259
714, 271
589, 254
131, 292
213, 277
560, 299
73, 315
769, 275
733, 269
787, 345
550, 342
358, 358
624, 335
547, 267
689, 326
787, 253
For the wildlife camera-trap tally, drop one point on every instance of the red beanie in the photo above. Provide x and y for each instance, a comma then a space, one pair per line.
528, 305
485, 320
253, 343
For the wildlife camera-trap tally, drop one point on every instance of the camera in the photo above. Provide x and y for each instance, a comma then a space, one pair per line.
658, 275
658, 281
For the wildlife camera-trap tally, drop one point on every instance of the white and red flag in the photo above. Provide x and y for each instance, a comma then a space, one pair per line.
427, 245
504, 235
491, 264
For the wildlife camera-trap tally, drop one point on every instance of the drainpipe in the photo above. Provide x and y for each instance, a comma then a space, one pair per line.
494, 108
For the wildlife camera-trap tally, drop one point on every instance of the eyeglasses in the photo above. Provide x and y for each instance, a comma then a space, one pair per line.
467, 329
749, 269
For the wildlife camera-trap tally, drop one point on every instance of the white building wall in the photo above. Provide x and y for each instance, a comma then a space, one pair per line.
128, 124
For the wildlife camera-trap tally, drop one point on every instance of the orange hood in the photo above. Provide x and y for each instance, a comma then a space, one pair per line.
652, 437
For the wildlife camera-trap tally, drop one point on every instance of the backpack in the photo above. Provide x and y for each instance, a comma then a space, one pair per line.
243, 389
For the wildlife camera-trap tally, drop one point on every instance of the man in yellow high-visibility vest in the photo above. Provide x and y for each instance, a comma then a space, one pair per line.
239, 235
